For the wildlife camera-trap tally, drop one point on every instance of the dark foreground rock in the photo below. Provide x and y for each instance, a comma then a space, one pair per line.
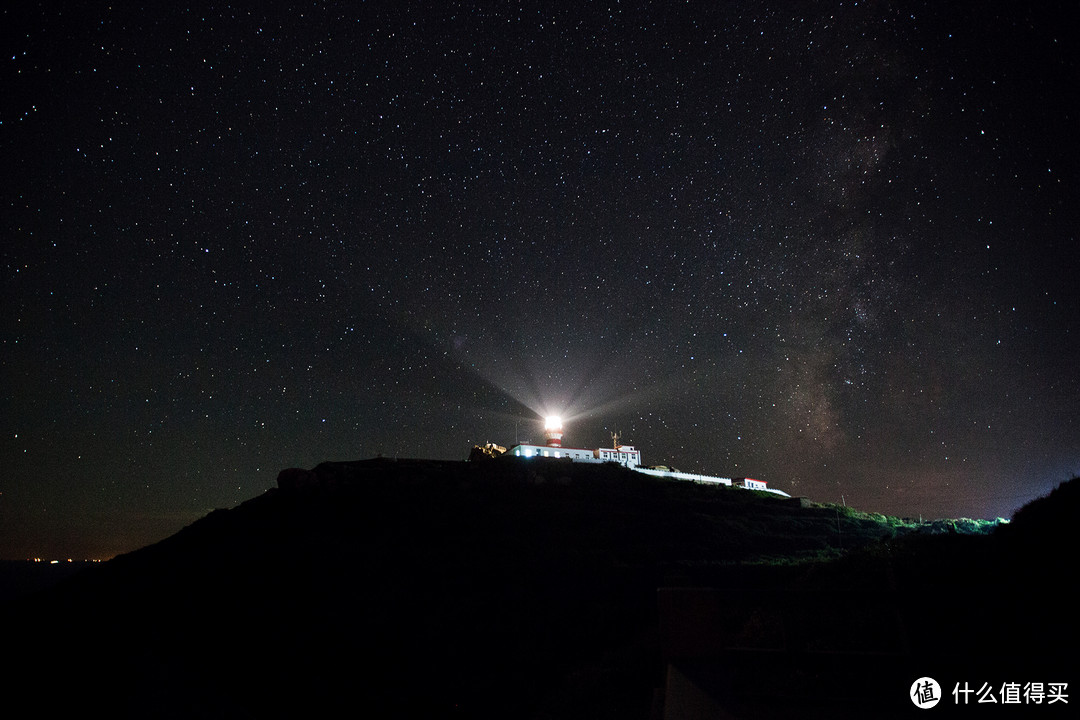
511, 589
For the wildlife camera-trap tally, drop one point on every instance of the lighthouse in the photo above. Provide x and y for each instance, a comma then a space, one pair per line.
626, 455
553, 431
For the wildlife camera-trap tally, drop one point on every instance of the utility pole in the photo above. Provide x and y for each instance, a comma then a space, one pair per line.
839, 532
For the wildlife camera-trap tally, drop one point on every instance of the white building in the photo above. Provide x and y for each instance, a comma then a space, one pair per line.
625, 455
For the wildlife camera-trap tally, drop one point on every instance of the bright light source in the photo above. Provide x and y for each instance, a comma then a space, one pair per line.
553, 422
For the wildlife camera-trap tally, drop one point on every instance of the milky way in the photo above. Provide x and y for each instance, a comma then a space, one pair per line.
828, 245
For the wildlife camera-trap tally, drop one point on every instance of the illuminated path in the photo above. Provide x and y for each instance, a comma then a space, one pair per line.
692, 477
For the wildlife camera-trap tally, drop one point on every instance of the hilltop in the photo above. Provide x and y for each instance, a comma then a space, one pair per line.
517, 589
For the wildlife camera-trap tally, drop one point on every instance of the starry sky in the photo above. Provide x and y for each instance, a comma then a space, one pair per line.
828, 245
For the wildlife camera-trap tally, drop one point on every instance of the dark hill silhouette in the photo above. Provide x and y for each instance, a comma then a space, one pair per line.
491, 589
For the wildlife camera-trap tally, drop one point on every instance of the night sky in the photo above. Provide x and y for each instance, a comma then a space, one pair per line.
830, 245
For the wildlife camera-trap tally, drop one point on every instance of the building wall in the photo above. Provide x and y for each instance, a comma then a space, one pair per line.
575, 454
686, 476
624, 456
